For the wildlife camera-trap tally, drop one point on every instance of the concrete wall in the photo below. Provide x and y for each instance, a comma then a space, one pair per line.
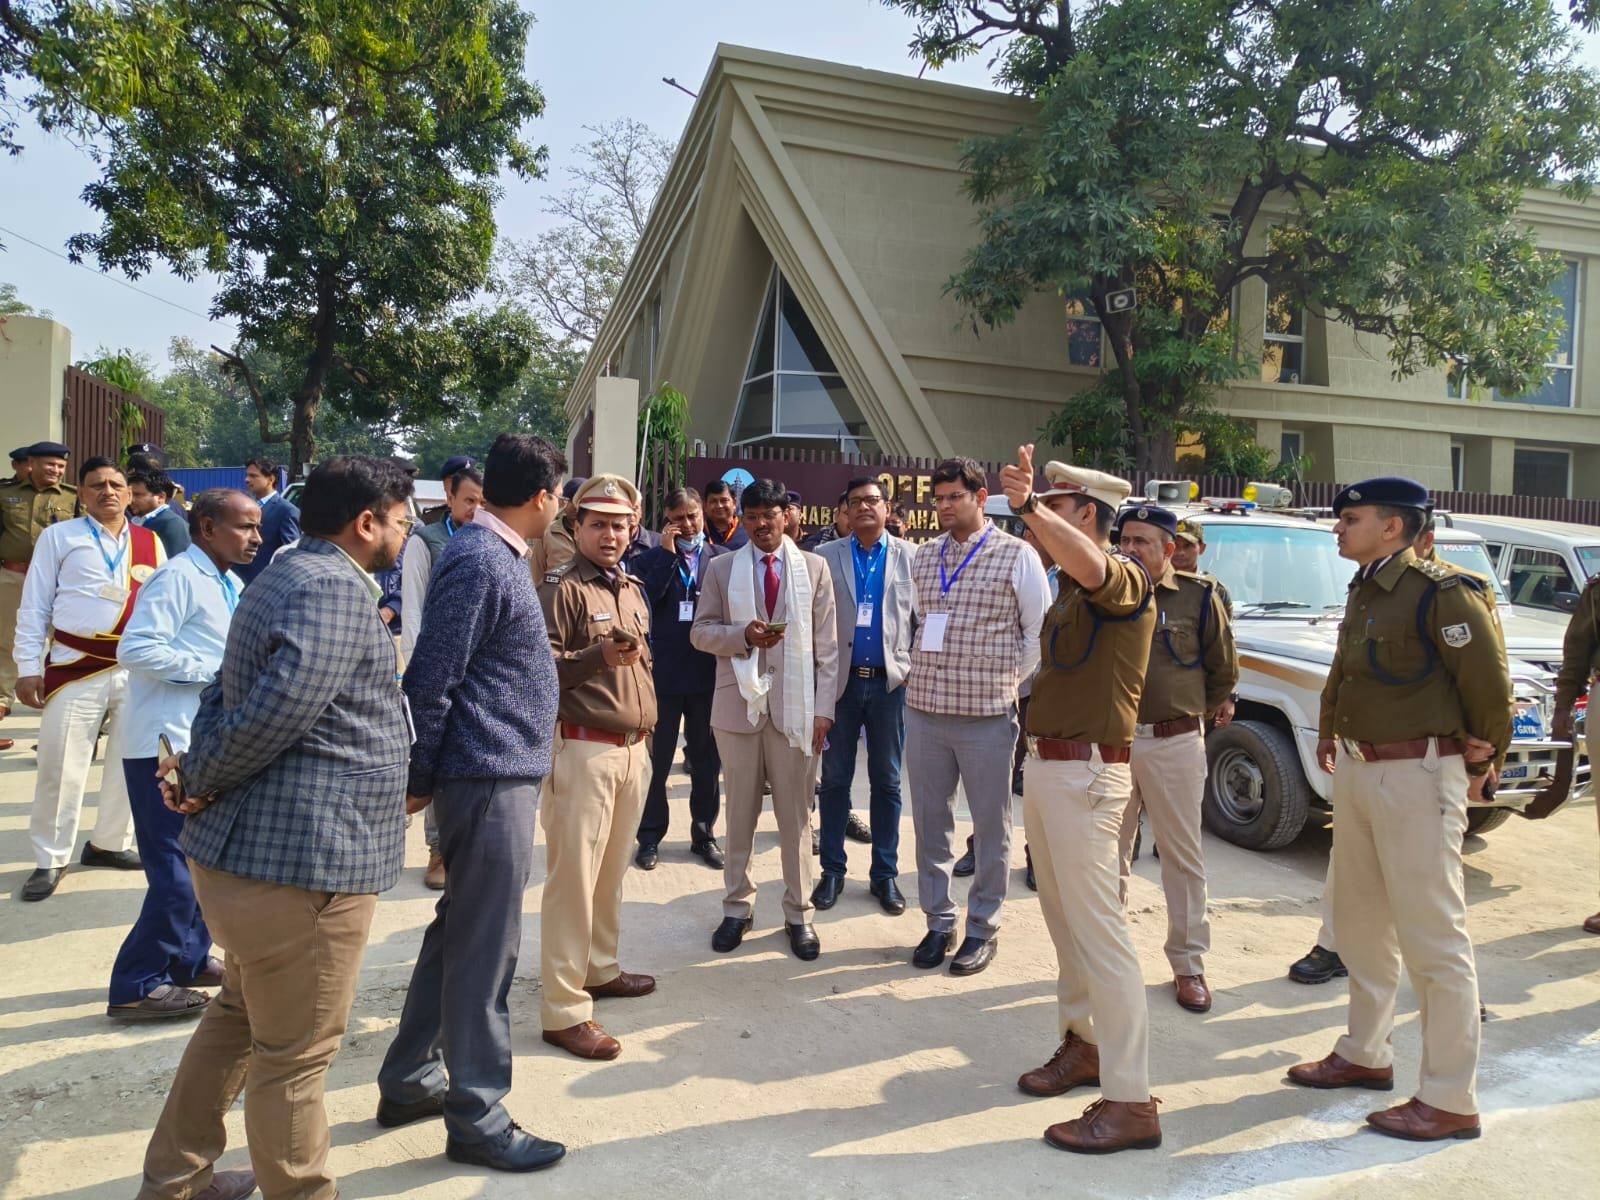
35, 353
616, 426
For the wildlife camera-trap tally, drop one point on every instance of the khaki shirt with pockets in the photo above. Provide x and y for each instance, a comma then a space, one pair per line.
1580, 651
1193, 664
581, 608
26, 512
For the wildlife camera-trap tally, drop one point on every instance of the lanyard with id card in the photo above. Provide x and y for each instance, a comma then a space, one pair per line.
935, 624
691, 590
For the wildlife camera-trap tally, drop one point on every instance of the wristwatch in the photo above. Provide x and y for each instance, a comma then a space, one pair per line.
1028, 505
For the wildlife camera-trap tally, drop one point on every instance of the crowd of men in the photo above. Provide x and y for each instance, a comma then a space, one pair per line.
554, 652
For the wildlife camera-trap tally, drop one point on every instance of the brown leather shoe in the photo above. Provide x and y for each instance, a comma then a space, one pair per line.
228, 1185
1108, 1126
624, 986
1418, 1122
1193, 993
6, 743
585, 1040
1074, 1063
435, 875
1592, 925
1335, 1072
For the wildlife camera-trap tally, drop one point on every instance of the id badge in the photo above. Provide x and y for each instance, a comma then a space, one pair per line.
114, 592
685, 610
864, 615
933, 627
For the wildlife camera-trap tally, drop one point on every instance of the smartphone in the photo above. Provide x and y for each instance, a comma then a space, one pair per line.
626, 636
174, 776
777, 626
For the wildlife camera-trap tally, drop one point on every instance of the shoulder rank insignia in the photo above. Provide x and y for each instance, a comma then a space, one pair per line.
1436, 571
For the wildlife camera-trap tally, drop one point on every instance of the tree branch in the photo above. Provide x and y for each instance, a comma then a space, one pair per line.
235, 366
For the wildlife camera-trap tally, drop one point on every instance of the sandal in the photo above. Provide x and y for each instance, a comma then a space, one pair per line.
167, 1001
210, 977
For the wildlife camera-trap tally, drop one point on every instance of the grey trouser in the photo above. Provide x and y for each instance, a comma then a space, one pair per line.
942, 750
455, 1030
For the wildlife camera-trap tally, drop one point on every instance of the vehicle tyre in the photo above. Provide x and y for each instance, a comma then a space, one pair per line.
1256, 794
1481, 820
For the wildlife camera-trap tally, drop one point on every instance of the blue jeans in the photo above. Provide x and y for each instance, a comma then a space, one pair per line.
866, 703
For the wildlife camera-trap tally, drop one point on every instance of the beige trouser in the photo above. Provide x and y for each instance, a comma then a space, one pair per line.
1325, 933
1397, 849
1169, 779
1073, 812
67, 734
293, 958
593, 799
10, 601
748, 760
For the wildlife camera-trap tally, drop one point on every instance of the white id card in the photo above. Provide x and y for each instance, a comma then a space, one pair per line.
114, 592
933, 626
685, 610
864, 615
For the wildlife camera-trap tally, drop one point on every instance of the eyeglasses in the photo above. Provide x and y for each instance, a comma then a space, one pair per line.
950, 498
863, 501
406, 523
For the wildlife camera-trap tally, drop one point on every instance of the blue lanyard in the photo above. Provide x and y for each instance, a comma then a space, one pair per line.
946, 584
229, 592
111, 563
689, 574
449, 525
875, 558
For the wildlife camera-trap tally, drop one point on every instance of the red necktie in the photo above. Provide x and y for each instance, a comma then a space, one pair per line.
770, 585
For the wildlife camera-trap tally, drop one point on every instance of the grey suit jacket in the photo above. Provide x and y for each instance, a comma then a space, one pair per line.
897, 593
715, 632
302, 737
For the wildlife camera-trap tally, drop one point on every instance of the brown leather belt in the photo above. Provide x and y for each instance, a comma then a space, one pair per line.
588, 733
19, 568
1166, 729
1061, 750
1390, 751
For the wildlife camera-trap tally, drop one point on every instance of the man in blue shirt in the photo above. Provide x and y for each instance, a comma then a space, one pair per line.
871, 572
172, 648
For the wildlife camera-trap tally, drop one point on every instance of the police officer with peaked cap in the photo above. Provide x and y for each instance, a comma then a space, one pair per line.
1419, 668
31, 501
1093, 649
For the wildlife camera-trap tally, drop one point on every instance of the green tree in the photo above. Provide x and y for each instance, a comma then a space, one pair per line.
333, 161
1364, 158
11, 304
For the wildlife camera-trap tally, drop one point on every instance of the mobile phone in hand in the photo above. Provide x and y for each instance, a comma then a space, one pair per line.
626, 636
777, 626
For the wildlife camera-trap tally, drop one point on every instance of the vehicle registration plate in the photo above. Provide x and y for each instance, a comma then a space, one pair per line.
1514, 771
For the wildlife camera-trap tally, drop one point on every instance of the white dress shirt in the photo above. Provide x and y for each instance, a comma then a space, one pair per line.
63, 588
173, 647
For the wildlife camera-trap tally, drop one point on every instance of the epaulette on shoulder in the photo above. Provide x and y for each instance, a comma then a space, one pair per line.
1206, 581
557, 574
1442, 574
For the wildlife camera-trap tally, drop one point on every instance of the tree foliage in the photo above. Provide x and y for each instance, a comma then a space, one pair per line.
1365, 159
11, 303
569, 275
333, 161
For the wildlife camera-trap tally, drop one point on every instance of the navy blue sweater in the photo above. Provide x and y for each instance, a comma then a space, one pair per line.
482, 681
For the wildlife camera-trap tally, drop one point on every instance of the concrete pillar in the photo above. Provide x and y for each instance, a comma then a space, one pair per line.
1502, 461
35, 353
616, 426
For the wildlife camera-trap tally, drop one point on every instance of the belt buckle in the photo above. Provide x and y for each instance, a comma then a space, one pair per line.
1353, 749
1145, 730
633, 736
1033, 745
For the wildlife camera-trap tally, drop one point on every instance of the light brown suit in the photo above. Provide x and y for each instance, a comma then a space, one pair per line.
753, 754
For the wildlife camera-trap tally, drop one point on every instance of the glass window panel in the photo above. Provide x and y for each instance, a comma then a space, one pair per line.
755, 411
1556, 392
1083, 343
1280, 362
799, 348
1539, 473
1284, 316
1455, 379
1565, 289
1537, 576
818, 406
762, 358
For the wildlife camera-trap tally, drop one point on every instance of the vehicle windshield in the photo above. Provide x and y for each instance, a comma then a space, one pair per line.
1589, 559
1473, 557
1277, 569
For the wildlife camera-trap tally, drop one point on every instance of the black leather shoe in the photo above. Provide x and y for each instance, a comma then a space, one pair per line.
647, 856
931, 950
512, 1151
826, 893
391, 1113
966, 864
857, 830
888, 893
803, 940
122, 860
710, 851
975, 954
1318, 967
1033, 884
42, 883
729, 934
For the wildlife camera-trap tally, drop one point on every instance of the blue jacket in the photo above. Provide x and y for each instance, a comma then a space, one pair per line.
680, 669
280, 525
172, 528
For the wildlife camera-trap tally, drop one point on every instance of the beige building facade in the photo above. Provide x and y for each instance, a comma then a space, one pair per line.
790, 282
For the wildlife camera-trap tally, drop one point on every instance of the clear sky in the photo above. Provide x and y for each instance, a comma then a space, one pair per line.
595, 62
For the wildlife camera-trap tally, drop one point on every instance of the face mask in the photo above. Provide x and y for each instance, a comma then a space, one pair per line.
687, 545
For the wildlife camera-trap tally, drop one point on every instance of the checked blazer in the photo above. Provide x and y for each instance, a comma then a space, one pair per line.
302, 737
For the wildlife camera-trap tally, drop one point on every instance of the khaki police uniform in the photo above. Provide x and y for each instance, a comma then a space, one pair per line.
1093, 649
1193, 670
1580, 661
1419, 665
25, 513
556, 548
598, 779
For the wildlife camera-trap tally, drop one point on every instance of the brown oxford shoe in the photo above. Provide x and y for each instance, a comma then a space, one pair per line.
1335, 1072
624, 986
228, 1185
1075, 1062
1592, 925
1418, 1122
1193, 993
433, 878
1108, 1126
585, 1040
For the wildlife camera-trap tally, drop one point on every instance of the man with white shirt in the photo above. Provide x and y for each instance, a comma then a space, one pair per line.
81, 583
172, 648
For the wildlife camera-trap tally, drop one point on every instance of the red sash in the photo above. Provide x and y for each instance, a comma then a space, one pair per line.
100, 650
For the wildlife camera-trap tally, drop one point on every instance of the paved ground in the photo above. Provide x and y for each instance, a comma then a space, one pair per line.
857, 1075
